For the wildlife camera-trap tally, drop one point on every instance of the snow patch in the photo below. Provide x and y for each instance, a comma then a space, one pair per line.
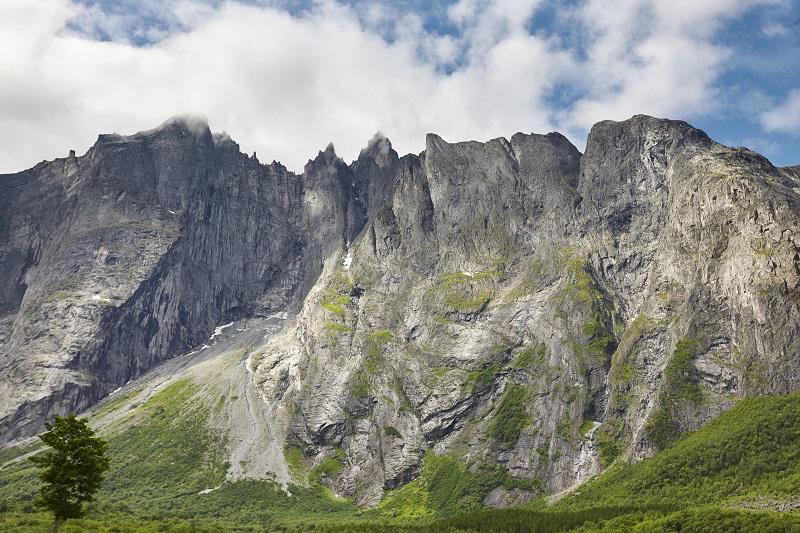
218, 331
113, 392
348, 259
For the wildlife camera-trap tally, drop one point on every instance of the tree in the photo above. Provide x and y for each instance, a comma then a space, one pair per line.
73, 468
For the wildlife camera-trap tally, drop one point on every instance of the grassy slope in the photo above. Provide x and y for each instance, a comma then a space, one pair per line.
162, 457
166, 457
751, 451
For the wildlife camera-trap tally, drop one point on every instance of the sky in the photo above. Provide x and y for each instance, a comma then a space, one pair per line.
286, 78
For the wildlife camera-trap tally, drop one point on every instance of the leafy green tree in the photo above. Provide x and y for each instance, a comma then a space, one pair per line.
73, 468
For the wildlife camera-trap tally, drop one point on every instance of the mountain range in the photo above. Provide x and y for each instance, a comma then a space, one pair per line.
534, 314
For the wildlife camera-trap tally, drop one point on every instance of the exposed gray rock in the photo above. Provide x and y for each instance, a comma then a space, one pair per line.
132, 253
611, 299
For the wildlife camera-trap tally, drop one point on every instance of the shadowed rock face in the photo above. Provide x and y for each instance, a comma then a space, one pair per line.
607, 300
117, 260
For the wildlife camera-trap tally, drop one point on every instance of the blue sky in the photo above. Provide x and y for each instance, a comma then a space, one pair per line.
285, 78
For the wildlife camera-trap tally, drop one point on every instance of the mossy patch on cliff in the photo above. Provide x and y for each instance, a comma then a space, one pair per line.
445, 487
482, 379
531, 357
681, 386
466, 292
510, 418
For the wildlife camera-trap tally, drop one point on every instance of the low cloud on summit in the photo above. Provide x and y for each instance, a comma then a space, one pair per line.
284, 81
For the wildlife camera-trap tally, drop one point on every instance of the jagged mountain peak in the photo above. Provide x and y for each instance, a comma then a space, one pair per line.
195, 124
329, 152
650, 130
431, 296
379, 149
173, 127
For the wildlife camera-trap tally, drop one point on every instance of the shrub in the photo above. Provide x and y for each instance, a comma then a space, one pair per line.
510, 418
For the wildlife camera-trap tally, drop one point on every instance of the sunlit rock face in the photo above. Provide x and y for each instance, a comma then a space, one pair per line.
513, 302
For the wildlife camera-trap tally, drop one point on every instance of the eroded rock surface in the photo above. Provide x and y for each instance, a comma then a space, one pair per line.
514, 302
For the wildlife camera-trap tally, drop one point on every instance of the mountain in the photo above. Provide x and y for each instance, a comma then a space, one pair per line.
534, 312
738, 473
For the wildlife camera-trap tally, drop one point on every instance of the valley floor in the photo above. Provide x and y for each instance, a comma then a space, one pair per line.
739, 473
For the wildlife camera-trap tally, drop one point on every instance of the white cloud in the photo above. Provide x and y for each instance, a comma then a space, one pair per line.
775, 29
785, 117
287, 85
647, 56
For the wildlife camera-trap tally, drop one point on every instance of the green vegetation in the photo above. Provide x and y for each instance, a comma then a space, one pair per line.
752, 450
392, 431
375, 341
113, 403
72, 468
337, 297
680, 387
533, 274
359, 385
446, 487
698, 520
468, 302
531, 356
680, 374
330, 467
481, 380
510, 418
661, 428
764, 252
751, 369
167, 473
372, 348
297, 463
564, 428
601, 342
468, 292
581, 288
763, 247
336, 309
586, 427
521, 290
57, 296
607, 437
593, 340
168, 449
441, 319
338, 327
699, 483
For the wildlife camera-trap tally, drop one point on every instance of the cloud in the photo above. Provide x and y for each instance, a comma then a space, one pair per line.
645, 56
785, 117
775, 29
285, 84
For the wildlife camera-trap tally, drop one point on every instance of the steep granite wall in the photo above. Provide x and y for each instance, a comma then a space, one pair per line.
514, 303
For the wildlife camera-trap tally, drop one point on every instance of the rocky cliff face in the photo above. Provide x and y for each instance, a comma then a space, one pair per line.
131, 254
512, 303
